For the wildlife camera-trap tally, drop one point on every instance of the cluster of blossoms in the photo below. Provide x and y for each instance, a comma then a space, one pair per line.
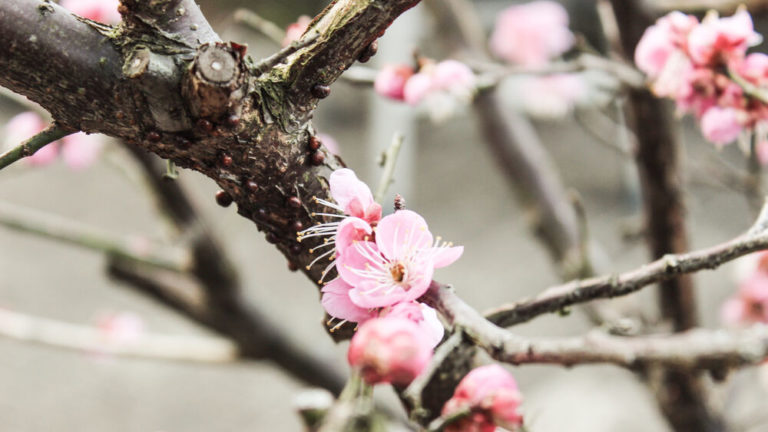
750, 304
77, 150
531, 35
705, 68
489, 397
384, 265
448, 79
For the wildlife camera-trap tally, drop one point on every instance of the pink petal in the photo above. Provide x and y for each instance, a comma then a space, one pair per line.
431, 325
447, 256
419, 280
387, 295
337, 303
417, 88
401, 233
357, 259
450, 74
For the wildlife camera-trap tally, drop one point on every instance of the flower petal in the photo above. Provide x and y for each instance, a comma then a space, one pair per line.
444, 257
402, 233
345, 187
373, 294
337, 303
356, 262
350, 230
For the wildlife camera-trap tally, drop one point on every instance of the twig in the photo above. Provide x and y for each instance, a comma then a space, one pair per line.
78, 234
389, 161
701, 349
27, 328
258, 23
559, 297
32, 145
275, 59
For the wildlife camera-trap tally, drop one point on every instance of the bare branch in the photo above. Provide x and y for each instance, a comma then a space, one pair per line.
559, 297
27, 328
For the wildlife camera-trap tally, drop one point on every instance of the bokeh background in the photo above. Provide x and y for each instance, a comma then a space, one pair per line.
445, 173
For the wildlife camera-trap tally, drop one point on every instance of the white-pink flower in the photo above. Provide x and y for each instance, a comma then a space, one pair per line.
493, 398
389, 350
721, 126
398, 265
662, 40
531, 34
424, 316
104, 11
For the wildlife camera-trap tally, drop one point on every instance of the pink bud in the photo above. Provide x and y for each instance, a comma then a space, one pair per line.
104, 11
296, 30
491, 393
424, 316
721, 125
391, 79
531, 34
389, 350
452, 74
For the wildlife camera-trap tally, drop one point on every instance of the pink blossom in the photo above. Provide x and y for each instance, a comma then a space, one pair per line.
754, 69
104, 11
80, 150
531, 34
448, 77
720, 40
391, 79
296, 30
24, 126
491, 395
424, 316
398, 266
750, 305
661, 40
721, 125
389, 350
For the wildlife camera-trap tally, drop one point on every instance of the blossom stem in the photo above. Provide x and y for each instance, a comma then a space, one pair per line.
389, 161
32, 145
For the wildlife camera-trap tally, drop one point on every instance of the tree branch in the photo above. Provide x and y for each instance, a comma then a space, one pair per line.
559, 297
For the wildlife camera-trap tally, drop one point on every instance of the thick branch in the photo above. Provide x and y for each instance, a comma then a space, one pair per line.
557, 298
178, 20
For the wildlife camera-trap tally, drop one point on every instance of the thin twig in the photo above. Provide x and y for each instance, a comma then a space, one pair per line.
258, 23
72, 232
32, 145
281, 56
559, 297
59, 334
389, 161
700, 349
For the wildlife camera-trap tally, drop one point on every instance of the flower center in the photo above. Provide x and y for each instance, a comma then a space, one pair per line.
398, 272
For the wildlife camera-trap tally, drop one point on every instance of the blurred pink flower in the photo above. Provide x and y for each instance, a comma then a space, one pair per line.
661, 40
398, 265
80, 150
104, 11
391, 79
296, 30
750, 305
449, 77
389, 350
531, 34
424, 316
493, 398
721, 40
24, 126
721, 126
